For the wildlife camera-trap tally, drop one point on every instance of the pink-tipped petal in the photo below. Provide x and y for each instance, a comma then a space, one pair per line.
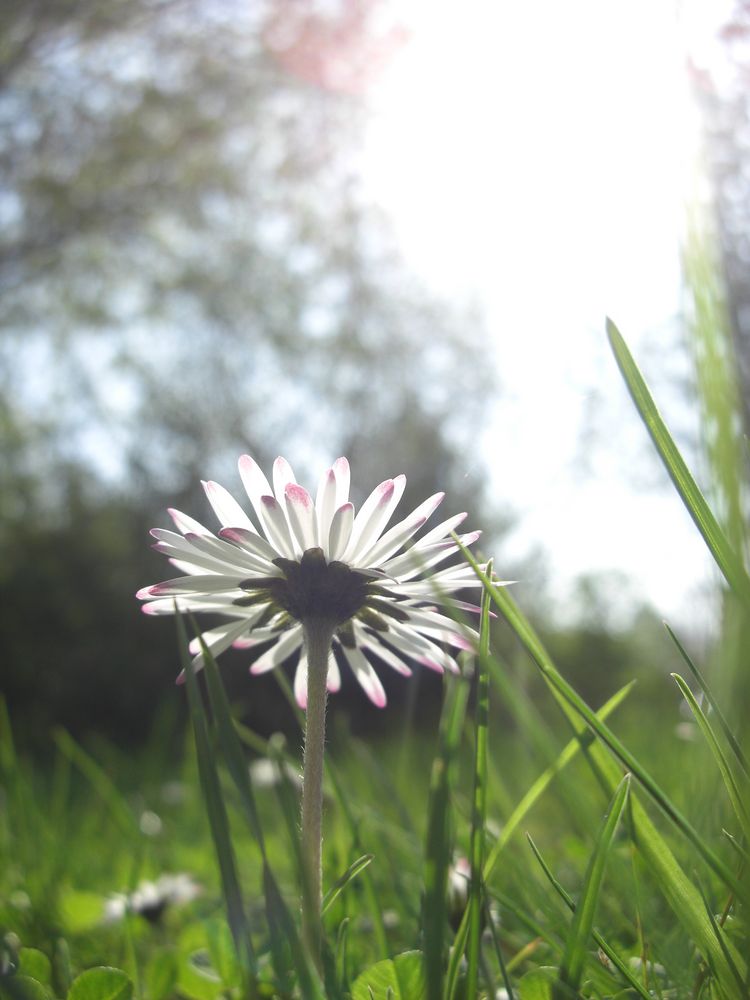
288, 642
333, 679
226, 508
276, 526
300, 682
373, 516
391, 541
187, 524
282, 477
251, 542
255, 483
301, 513
343, 477
444, 528
341, 529
365, 674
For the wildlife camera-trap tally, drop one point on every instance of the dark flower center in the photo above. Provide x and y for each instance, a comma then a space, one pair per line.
316, 590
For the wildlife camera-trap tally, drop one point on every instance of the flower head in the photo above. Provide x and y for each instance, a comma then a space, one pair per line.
306, 562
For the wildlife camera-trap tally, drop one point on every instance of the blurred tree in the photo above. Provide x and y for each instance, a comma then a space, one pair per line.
190, 269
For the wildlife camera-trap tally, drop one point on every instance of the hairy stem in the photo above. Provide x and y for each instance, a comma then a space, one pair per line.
318, 636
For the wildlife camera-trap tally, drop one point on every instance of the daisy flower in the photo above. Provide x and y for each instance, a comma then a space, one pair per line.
304, 563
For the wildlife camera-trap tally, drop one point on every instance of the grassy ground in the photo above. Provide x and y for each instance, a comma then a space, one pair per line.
608, 853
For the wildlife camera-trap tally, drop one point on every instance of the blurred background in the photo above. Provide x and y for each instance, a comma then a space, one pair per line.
386, 230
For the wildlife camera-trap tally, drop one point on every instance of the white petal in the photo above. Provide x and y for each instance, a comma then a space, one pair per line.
226, 508
341, 529
373, 516
343, 476
421, 649
183, 585
282, 476
249, 541
325, 505
301, 514
418, 559
441, 530
365, 673
186, 524
333, 681
230, 555
195, 602
276, 526
288, 642
432, 623
395, 537
218, 639
255, 483
386, 655
300, 682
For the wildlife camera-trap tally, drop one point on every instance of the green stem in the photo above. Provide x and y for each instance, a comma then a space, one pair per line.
318, 636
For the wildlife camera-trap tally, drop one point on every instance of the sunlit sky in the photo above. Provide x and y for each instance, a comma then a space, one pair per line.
536, 159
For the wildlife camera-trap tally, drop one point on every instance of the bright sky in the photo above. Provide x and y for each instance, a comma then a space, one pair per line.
536, 159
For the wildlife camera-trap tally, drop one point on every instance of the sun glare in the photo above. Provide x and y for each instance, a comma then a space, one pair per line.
537, 159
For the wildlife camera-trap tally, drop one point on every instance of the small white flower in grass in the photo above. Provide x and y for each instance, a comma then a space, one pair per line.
300, 561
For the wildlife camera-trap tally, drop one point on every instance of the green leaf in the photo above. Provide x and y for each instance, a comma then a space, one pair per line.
21, 987
102, 983
713, 535
80, 911
574, 957
35, 963
160, 975
196, 977
538, 984
401, 978
730, 783
222, 952
341, 883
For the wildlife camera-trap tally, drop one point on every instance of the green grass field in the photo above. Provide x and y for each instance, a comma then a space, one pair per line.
533, 844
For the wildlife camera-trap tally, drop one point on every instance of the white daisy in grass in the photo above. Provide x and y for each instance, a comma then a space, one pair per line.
309, 564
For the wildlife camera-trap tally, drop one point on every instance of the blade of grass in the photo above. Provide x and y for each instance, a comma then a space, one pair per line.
229, 741
735, 796
722, 944
285, 940
479, 804
341, 883
713, 535
729, 735
677, 888
608, 950
583, 740
438, 839
574, 957
217, 814
498, 950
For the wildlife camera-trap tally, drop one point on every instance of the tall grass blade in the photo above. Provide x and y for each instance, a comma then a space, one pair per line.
697, 674
743, 987
286, 943
489, 920
99, 781
726, 559
567, 694
438, 840
677, 888
583, 740
229, 741
217, 814
341, 883
574, 957
608, 950
479, 804
735, 796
